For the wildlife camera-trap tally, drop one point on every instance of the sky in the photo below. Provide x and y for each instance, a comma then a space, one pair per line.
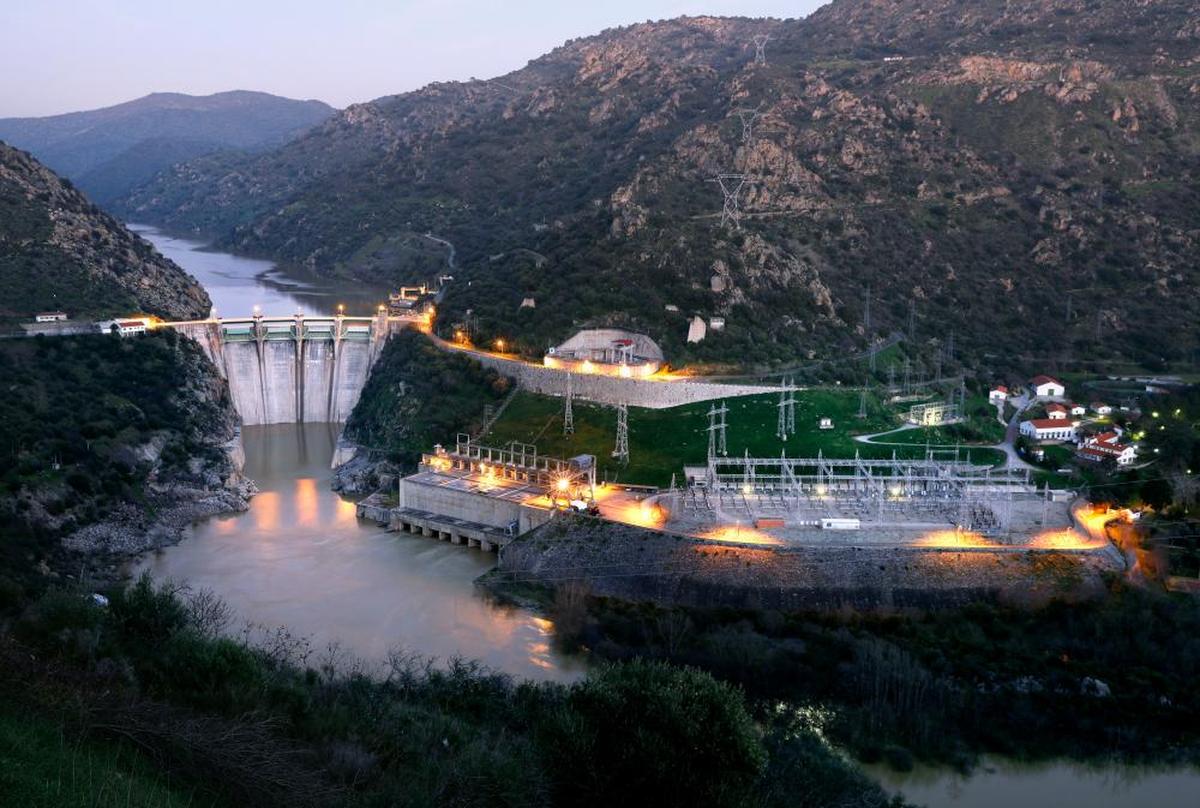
67, 55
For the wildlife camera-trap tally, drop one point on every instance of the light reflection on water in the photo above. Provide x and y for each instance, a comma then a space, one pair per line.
299, 558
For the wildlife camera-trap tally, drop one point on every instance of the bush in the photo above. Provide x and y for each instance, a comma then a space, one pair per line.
652, 734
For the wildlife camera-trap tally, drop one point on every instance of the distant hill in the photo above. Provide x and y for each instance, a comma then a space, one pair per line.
1019, 178
106, 152
59, 251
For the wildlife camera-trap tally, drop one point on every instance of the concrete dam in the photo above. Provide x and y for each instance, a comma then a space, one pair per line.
284, 370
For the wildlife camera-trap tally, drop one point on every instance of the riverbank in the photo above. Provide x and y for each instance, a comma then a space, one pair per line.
642, 565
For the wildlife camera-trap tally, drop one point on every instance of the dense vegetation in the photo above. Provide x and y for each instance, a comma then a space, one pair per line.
109, 151
59, 251
946, 686
418, 395
1033, 193
84, 424
152, 681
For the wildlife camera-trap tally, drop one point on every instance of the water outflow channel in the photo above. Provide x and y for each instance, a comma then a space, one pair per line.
299, 559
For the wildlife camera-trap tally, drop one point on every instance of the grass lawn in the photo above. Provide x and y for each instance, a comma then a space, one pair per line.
42, 766
662, 441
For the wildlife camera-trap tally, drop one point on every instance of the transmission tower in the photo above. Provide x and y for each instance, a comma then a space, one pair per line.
716, 430
731, 186
748, 117
892, 378
781, 428
568, 413
760, 49
621, 452
907, 376
862, 403
912, 319
791, 407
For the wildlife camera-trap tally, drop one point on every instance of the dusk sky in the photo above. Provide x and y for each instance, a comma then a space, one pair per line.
67, 55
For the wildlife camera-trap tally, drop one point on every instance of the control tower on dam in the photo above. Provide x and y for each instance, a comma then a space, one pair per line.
295, 369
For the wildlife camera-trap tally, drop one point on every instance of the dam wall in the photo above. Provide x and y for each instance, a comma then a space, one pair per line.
293, 369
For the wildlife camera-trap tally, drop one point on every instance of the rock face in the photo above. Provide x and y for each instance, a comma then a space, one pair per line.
59, 251
977, 157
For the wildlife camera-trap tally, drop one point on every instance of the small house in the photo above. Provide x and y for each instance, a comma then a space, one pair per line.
50, 316
1056, 412
825, 423
1047, 387
998, 394
1077, 409
1100, 408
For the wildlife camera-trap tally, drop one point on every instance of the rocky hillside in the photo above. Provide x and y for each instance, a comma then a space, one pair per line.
1014, 178
59, 251
106, 152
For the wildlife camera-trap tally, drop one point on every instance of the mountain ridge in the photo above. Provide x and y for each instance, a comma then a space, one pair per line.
108, 151
1007, 153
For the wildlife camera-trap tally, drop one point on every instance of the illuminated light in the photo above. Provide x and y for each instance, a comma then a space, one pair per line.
587, 366
625, 372
562, 484
740, 535
747, 489
1154, 414
500, 345
1065, 540
821, 490
896, 491
952, 538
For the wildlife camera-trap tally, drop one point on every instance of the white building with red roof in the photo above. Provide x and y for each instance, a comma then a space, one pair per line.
1056, 412
1107, 446
1048, 429
998, 394
1047, 387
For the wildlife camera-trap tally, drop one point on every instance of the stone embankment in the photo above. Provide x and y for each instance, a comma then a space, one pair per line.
636, 564
212, 487
612, 390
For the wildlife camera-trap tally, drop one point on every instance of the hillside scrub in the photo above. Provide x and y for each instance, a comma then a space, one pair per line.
283, 724
418, 395
1086, 680
90, 424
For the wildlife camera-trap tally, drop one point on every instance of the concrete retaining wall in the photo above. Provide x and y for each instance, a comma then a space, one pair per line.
615, 390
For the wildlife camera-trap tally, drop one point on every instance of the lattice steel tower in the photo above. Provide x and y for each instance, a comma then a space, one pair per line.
621, 452
731, 186
568, 412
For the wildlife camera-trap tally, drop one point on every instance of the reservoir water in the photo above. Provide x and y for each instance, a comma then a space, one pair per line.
237, 284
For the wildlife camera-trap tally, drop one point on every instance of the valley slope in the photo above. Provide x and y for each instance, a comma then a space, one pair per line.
59, 251
1021, 175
